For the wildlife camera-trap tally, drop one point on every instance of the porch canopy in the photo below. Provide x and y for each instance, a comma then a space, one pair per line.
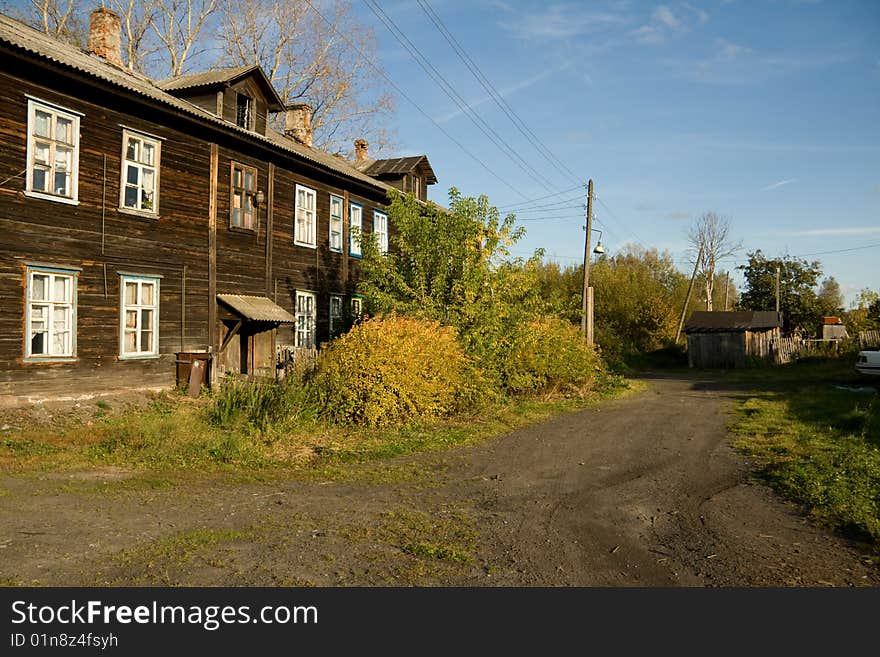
256, 309
253, 310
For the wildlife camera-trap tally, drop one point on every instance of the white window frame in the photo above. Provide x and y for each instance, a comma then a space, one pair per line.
354, 243
156, 143
65, 307
304, 331
56, 112
139, 306
336, 318
311, 225
380, 230
336, 224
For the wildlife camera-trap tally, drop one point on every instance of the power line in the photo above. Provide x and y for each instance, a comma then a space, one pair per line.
622, 225
450, 91
493, 92
404, 95
512, 207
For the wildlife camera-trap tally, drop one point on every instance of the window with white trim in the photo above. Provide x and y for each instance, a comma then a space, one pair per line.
52, 152
357, 308
50, 315
305, 226
335, 224
356, 214
140, 172
139, 317
243, 197
305, 319
335, 315
380, 230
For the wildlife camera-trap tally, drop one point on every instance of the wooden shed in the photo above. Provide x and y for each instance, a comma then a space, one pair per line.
729, 338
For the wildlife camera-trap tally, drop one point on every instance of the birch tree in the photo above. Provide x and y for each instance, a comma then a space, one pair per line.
178, 25
709, 236
61, 19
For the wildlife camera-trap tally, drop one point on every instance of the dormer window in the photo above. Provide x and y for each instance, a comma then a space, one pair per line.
243, 111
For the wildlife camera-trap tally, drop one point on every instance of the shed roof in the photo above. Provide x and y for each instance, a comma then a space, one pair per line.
257, 309
25, 38
398, 166
719, 321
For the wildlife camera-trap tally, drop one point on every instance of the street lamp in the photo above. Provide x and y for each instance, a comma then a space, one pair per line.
599, 250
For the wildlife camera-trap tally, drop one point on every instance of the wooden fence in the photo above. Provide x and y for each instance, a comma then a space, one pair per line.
787, 350
869, 339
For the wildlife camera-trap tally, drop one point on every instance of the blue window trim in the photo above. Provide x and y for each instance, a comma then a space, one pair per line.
74, 273
351, 251
341, 224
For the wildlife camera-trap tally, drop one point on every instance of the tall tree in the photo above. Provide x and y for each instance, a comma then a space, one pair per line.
829, 297
798, 301
326, 63
710, 239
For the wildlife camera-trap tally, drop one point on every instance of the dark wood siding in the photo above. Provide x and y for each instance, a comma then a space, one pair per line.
101, 241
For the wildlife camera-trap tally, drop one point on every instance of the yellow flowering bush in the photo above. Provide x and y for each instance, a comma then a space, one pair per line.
395, 370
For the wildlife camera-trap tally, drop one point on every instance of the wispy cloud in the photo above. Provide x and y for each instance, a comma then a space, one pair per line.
824, 232
666, 22
779, 184
504, 93
678, 216
561, 21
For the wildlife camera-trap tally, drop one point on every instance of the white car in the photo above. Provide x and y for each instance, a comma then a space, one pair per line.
868, 363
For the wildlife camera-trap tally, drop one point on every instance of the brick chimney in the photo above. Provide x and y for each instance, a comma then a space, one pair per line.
298, 123
361, 150
104, 36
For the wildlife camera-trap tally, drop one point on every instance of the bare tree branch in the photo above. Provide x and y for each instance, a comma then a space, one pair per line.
307, 61
178, 25
710, 235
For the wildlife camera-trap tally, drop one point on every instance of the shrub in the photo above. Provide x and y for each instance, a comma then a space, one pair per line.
395, 370
550, 356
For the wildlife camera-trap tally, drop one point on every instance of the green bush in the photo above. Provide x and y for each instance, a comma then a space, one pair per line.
395, 370
550, 356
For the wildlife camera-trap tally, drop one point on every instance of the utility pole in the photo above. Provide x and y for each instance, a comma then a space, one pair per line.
687, 299
777, 290
727, 291
586, 297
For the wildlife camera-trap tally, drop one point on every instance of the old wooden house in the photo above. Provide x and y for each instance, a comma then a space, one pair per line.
146, 223
730, 338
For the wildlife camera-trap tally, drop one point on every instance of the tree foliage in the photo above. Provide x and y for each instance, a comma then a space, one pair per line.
454, 266
800, 305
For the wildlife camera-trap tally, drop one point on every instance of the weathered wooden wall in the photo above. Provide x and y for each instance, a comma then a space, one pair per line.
101, 240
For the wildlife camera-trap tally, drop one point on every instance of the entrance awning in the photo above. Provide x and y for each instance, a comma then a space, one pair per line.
256, 309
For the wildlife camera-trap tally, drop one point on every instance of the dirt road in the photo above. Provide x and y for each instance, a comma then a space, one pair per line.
641, 491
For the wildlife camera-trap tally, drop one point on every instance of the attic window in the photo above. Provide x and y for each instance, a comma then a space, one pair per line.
243, 111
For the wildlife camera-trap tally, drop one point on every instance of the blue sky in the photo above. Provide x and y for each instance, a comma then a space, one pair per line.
765, 112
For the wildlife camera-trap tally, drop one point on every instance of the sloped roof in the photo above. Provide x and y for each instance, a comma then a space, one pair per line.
400, 166
224, 76
24, 38
718, 321
257, 309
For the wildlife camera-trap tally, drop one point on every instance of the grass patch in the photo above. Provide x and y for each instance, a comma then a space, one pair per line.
817, 445
174, 434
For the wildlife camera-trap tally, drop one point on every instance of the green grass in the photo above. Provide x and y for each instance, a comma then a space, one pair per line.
175, 435
816, 444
